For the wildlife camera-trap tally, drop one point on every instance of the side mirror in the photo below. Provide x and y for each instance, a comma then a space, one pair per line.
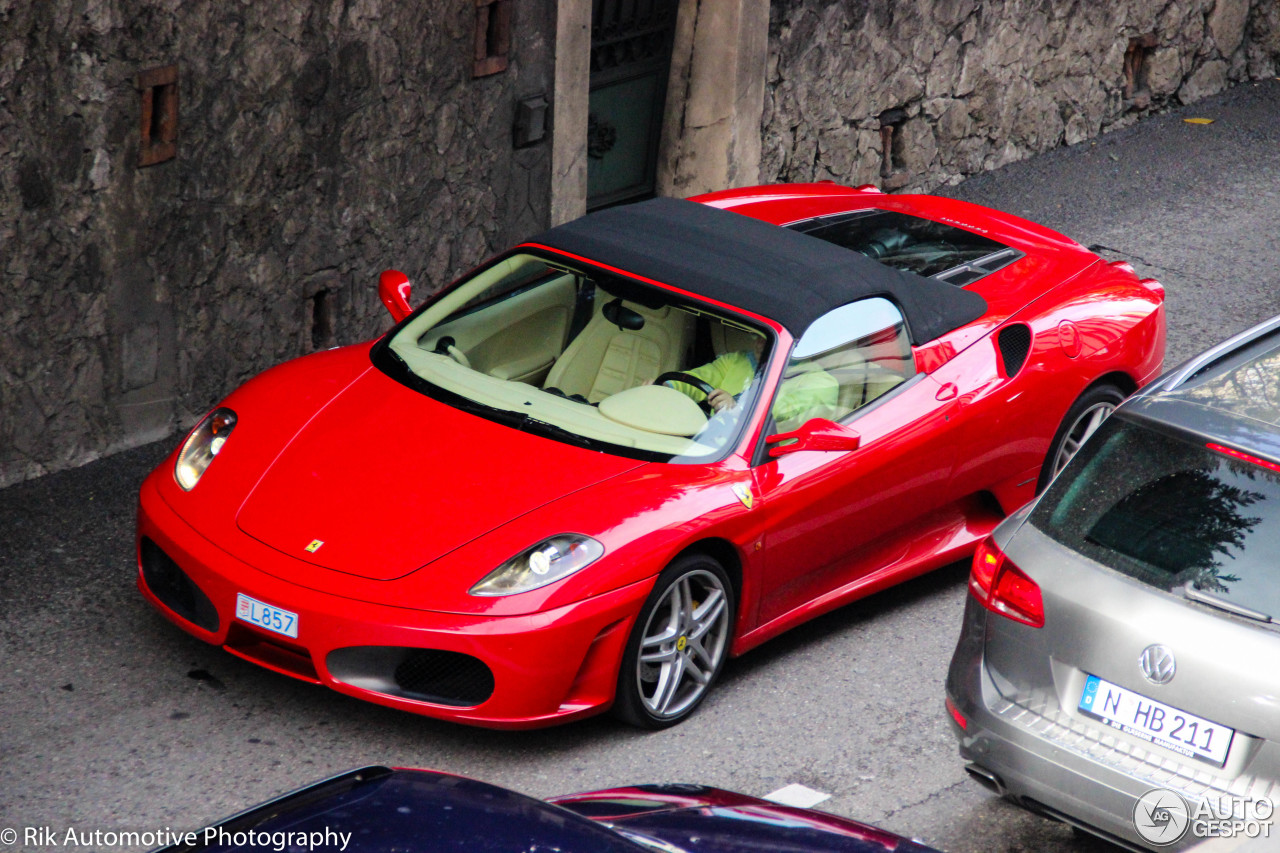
814, 434
393, 290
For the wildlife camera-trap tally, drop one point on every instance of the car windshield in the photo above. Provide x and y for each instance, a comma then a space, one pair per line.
585, 357
1172, 513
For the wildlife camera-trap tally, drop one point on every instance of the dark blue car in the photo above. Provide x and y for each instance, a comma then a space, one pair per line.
381, 810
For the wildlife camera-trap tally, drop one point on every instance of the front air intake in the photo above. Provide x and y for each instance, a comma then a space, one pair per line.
450, 678
427, 675
175, 588
1015, 346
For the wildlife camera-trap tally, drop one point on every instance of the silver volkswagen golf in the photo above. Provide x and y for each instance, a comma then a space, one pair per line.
1119, 664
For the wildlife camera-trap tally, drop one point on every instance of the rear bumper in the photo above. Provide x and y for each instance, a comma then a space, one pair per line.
546, 668
1037, 763
1049, 781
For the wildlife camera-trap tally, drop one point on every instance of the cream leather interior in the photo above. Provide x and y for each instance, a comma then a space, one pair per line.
726, 338
520, 397
655, 408
518, 337
861, 381
603, 359
864, 384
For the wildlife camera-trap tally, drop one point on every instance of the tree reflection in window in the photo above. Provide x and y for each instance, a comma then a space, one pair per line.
1185, 524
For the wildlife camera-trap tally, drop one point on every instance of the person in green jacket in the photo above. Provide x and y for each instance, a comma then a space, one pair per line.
805, 386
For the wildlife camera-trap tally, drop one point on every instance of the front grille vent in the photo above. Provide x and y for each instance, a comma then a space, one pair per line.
449, 678
1015, 345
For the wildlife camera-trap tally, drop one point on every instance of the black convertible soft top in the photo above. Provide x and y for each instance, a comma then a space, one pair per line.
775, 272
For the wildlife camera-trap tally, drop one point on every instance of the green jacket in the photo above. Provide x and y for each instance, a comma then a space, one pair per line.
804, 387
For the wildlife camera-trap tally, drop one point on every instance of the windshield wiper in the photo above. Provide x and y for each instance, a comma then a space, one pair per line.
1189, 591
550, 430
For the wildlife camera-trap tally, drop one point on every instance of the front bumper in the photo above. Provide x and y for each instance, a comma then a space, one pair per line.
542, 669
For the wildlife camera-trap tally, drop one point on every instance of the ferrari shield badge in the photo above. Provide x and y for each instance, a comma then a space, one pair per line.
743, 491
314, 546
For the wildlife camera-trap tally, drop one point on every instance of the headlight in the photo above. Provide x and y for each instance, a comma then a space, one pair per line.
544, 563
202, 445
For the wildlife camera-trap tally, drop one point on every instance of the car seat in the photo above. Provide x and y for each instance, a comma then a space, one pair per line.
613, 354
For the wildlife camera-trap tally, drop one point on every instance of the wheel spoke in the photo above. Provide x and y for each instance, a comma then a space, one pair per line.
1086, 425
699, 657
666, 635
663, 655
668, 684
697, 673
1099, 415
707, 615
685, 605
1068, 450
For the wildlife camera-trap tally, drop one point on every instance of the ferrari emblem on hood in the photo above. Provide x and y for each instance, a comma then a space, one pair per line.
314, 546
743, 491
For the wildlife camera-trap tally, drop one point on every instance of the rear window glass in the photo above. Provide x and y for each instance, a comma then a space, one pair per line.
1171, 513
911, 243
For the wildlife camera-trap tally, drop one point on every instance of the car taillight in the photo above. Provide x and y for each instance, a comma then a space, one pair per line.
1004, 588
985, 562
1017, 596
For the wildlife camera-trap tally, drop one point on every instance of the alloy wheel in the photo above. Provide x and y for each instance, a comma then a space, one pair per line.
683, 644
1085, 425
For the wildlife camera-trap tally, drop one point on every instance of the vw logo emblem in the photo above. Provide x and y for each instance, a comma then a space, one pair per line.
1158, 664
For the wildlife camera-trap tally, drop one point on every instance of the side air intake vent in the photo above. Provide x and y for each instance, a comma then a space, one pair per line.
1015, 345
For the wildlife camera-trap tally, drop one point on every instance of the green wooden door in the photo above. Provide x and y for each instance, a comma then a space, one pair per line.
630, 60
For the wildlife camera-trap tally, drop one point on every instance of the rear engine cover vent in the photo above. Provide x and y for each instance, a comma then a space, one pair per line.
1015, 345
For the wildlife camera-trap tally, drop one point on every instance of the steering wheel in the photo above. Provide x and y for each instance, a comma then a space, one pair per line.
689, 379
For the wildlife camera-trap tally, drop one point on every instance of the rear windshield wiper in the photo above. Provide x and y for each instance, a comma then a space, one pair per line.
1189, 591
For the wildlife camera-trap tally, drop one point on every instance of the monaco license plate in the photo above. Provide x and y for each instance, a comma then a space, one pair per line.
263, 615
1155, 722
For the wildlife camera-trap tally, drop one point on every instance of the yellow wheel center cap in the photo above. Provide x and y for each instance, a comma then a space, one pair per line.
681, 643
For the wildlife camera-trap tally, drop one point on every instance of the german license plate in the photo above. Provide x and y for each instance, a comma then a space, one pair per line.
275, 619
1155, 722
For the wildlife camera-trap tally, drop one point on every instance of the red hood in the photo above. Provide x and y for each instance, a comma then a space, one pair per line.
389, 480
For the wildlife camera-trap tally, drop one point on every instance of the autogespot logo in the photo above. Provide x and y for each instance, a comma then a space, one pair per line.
1161, 817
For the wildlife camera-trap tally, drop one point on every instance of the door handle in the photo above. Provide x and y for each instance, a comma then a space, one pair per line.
947, 392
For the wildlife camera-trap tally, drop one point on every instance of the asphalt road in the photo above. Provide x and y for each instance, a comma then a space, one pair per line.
111, 719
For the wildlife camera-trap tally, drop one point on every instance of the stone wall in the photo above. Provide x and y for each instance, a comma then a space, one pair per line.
318, 142
948, 88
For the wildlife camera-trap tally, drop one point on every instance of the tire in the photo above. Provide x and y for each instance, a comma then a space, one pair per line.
683, 633
1084, 417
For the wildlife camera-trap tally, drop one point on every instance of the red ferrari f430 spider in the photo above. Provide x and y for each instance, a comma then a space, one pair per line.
587, 473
